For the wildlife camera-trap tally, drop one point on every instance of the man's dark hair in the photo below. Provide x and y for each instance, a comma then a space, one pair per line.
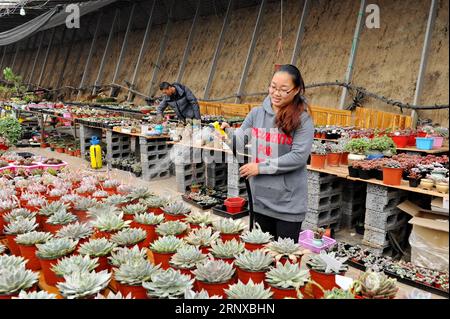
164, 85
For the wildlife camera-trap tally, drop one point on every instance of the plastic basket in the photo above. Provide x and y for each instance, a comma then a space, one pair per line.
424, 143
306, 237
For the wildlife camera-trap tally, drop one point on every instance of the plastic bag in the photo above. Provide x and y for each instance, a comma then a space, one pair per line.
425, 255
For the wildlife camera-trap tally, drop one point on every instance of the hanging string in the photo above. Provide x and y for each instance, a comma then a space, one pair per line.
280, 39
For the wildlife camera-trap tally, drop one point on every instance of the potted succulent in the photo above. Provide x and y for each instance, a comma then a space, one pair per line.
147, 222
130, 211
98, 248
214, 276
392, 173
357, 148
81, 206
248, 290
322, 273
226, 250
100, 194
186, 259
252, 265
5, 207
116, 200
190, 294
374, 285
318, 155
168, 284
55, 194
334, 151
154, 204
76, 231
199, 219
35, 295
18, 227
380, 146
108, 224
285, 249
164, 248
440, 133
229, 228
414, 177
287, 280
442, 185
75, 263
338, 293
318, 236
27, 245
16, 279
110, 186
79, 285
138, 194
112, 295
58, 220
130, 276
129, 237
176, 211
48, 210
255, 239
86, 190
173, 227
123, 255
49, 253
195, 187
202, 237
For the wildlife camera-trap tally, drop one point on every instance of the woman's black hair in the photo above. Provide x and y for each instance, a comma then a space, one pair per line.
297, 79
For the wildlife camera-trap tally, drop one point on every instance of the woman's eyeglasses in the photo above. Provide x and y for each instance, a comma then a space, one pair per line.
283, 92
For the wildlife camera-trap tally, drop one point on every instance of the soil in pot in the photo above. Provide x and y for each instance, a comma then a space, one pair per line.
245, 275
29, 253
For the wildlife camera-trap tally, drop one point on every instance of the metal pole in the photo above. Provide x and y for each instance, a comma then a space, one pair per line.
351, 60
58, 51
300, 31
123, 49
46, 57
218, 49
187, 50
162, 48
80, 52
108, 44
424, 58
143, 47
3, 58
30, 55
66, 59
24, 53
251, 49
91, 51
35, 60
15, 56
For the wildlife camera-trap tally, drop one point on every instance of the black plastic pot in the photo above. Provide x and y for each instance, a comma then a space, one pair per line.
405, 175
364, 174
414, 182
353, 172
378, 174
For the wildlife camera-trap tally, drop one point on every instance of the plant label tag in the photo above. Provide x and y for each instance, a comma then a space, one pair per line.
332, 263
344, 282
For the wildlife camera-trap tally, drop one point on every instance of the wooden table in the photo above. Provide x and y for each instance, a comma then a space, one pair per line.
432, 151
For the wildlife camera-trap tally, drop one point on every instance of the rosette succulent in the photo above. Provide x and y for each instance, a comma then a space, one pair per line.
287, 276
171, 228
15, 279
110, 222
18, 213
134, 209
284, 247
227, 249
256, 236
61, 217
33, 238
187, 257
123, 255
203, 237
21, 226
168, 283
83, 284
229, 226
97, 247
214, 271
148, 219
256, 260
56, 248
129, 236
135, 272
35, 295
248, 291
177, 209
199, 218
76, 231
166, 244
75, 263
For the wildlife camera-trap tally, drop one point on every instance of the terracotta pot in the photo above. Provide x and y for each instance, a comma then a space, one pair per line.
169, 217
245, 275
162, 259
13, 246
137, 292
392, 176
333, 159
149, 229
327, 281
214, 289
318, 161
226, 237
250, 246
50, 277
29, 253
344, 158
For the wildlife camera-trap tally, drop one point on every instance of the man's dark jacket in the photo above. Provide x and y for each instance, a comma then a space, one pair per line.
183, 102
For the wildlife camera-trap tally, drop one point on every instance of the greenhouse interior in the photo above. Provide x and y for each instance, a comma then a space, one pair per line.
224, 149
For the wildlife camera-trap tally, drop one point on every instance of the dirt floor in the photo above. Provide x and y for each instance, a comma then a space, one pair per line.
167, 187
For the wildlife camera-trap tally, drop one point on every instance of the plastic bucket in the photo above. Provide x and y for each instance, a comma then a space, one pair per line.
424, 143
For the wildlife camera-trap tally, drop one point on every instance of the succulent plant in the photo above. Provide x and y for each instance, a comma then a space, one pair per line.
155, 202
203, 237
75, 263
35, 295
287, 276
116, 200
134, 209
110, 222
166, 244
256, 236
168, 283
86, 188
8, 204
112, 295
248, 291
53, 207
227, 249
176, 208
199, 218
55, 248
12, 261
83, 284
393, 164
21, 226
229, 226
97, 247
187, 257
317, 263
190, 294
171, 228
284, 247
140, 193
61, 217
70, 198
214, 271
375, 285
337, 293
103, 209
100, 193
135, 272
13, 280
148, 219
33, 238
111, 183
76, 231
129, 236
2, 248
256, 260
84, 203
57, 192
123, 255
18, 213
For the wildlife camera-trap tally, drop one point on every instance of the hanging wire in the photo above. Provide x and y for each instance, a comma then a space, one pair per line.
280, 39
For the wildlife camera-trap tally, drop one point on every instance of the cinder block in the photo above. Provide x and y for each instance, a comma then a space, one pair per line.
330, 187
388, 220
323, 216
349, 221
320, 177
382, 203
333, 224
350, 206
383, 191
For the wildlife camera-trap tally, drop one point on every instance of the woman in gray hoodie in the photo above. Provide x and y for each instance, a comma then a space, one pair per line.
281, 132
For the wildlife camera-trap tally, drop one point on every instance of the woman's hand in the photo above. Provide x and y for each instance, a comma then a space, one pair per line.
249, 170
224, 125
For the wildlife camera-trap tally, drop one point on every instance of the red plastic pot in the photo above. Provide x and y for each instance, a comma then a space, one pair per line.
81, 215
421, 134
327, 281
226, 237
52, 228
155, 210
149, 229
284, 260
214, 289
250, 246
344, 158
13, 246
102, 234
205, 250
184, 271
162, 259
169, 217
281, 293
227, 260
333, 159
111, 191
412, 140
128, 216
137, 292
318, 160
245, 275
401, 141
194, 226
103, 264
392, 176
29, 253
50, 277
234, 204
